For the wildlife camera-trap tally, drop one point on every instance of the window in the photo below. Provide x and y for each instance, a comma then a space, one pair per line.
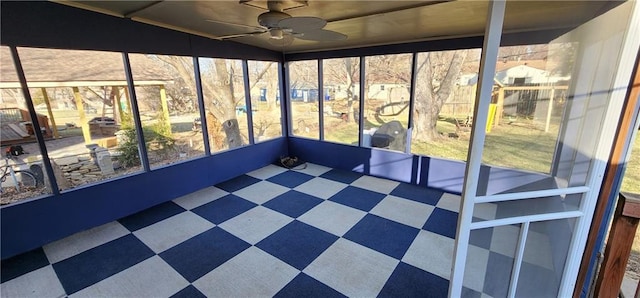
85, 97
386, 102
342, 106
17, 137
303, 86
265, 100
443, 105
525, 118
225, 103
168, 103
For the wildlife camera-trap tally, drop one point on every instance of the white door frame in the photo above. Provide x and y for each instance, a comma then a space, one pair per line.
590, 191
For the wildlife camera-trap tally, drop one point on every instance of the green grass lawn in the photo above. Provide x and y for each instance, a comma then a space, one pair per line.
522, 145
631, 181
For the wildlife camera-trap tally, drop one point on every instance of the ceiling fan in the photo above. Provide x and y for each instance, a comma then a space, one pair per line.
282, 28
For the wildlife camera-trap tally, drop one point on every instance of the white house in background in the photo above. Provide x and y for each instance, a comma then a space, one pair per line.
516, 75
524, 74
380, 91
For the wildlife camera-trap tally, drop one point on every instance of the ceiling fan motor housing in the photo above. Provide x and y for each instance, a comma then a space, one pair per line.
270, 19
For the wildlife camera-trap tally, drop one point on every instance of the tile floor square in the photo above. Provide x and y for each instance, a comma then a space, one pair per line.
434, 253
341, 176
384, 186
255, 224
431, 252
499, 268
532, 276
385, 236
409, 281
182, 226
298, 244
313, 169
481, 237
468, 293
96, 264
404, 211
223, 209
538, 250
189, 292
267, 172
476, 268
203, 253
237, 183
41, 282
321, 187
261, 192
149, 278
306, 286
332, 217
443, 222
22, 264
486, 211
150, 216
290, 179
358, 198
201, 197
418, 193
79, 242
293, 203
352, 269
449, 202
504, 240
252, 273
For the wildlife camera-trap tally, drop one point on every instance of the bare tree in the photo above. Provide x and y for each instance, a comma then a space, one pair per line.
220, 101
437, 75
264, 76
345, 71
387, 69
221, 81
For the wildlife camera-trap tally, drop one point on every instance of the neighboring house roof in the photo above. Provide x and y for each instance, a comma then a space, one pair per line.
520, 71
538, 64
70, 68
503, 75
533, 75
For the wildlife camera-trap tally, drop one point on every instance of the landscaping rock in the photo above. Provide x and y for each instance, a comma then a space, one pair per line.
67, 160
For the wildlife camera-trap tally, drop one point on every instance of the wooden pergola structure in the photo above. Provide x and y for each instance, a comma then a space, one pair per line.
90, 69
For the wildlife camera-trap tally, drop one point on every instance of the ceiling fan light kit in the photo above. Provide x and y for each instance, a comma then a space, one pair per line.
276, 33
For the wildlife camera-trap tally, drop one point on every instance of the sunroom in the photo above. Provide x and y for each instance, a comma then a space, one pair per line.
311, 148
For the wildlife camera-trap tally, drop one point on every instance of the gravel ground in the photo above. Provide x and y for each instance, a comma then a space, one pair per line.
633, 266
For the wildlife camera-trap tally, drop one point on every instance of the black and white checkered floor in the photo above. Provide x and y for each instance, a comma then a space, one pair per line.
316, 232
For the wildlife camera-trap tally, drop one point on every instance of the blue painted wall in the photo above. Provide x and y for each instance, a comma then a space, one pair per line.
31, 224
446, 175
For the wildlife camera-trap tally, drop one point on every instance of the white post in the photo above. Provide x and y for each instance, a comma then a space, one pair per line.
492, 35
549, 109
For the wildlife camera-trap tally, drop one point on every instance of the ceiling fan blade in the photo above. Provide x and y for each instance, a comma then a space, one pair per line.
322, 35
240, 35
286, 40
302, 24
234, 24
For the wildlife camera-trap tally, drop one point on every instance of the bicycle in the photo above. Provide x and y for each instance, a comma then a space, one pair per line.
21, 178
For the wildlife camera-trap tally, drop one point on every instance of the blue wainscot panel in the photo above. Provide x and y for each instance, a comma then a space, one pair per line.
446, 175
31, 224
